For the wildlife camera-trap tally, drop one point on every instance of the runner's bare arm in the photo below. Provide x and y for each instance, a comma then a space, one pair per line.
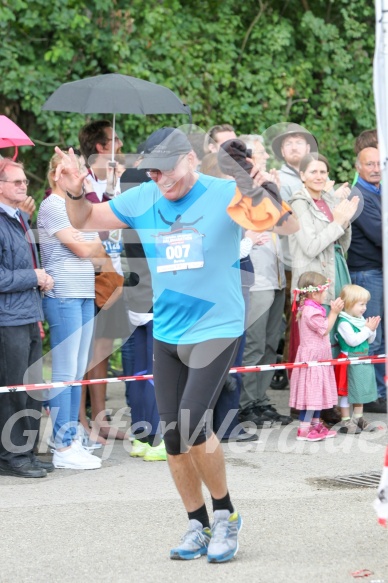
86, 216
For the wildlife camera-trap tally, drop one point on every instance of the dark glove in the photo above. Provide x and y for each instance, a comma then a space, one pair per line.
232, 160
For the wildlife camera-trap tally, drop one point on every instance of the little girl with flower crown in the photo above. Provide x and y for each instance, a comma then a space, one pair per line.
314, 388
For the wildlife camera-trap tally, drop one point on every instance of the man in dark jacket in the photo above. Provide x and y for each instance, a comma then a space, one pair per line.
20, 344
365, 258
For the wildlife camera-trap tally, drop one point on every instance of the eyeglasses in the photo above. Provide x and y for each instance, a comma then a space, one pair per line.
18, 183
117, 139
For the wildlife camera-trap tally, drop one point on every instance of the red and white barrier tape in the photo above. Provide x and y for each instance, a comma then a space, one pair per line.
375, 359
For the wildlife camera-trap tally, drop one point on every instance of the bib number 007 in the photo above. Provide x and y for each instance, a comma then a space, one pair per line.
177, 251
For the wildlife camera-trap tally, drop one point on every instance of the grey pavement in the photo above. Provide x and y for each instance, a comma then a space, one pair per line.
118, 523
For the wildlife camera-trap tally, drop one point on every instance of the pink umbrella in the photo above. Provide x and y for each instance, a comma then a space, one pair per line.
12, 136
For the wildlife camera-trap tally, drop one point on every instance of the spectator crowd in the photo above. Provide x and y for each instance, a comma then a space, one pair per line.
309, 287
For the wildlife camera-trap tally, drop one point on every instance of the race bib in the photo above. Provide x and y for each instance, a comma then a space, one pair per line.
177, 251
114, 244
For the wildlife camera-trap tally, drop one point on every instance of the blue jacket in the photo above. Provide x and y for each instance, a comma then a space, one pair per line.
20, 301
366, 251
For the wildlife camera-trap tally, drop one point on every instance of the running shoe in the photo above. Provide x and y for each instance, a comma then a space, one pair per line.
194, 542
139, 448
156, 454
223, 544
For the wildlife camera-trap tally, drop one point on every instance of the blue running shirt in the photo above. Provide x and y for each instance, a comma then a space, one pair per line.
192, 247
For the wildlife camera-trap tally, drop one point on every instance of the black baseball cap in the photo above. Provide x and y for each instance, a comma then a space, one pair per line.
163, 149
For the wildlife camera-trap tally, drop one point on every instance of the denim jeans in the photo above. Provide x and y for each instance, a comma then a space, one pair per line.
71, 330
372, 280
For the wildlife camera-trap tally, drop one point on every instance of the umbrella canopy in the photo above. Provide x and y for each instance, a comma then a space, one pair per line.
12, 136
115, 93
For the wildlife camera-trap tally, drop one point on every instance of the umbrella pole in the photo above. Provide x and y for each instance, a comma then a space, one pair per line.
113, 136
15, 154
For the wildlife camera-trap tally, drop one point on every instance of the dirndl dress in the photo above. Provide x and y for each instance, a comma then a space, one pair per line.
361, 379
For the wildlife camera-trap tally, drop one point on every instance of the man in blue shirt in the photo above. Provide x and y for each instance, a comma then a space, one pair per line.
365, 258
192, 247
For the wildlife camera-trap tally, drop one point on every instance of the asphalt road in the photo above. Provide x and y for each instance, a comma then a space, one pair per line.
118, 523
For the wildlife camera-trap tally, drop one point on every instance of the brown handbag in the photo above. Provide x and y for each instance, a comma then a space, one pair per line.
109, 285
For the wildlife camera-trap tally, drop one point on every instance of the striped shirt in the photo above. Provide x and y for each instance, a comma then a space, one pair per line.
73, 276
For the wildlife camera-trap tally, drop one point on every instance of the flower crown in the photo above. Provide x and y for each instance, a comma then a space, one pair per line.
313, 288
309, 290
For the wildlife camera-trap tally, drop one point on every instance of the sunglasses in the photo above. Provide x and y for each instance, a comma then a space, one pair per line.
154, 172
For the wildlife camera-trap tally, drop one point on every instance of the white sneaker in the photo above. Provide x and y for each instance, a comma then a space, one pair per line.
83, 437
81, 450
73, 459
87, 444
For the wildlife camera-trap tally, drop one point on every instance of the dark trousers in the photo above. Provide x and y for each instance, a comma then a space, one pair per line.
128, 364
20, 412
141, 394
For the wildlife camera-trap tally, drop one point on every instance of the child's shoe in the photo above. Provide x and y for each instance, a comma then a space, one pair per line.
308, 434
324, 431
350, 426
364, 425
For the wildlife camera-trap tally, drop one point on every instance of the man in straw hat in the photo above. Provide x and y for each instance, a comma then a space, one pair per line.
290, 146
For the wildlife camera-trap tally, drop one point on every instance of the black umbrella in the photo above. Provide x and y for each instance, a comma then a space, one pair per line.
115, 93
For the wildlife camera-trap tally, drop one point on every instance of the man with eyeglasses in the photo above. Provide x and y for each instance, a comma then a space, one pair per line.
21, 283
95, 140
192, 246
365, 258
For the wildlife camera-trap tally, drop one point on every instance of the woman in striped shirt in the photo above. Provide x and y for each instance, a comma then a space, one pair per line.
69, 257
